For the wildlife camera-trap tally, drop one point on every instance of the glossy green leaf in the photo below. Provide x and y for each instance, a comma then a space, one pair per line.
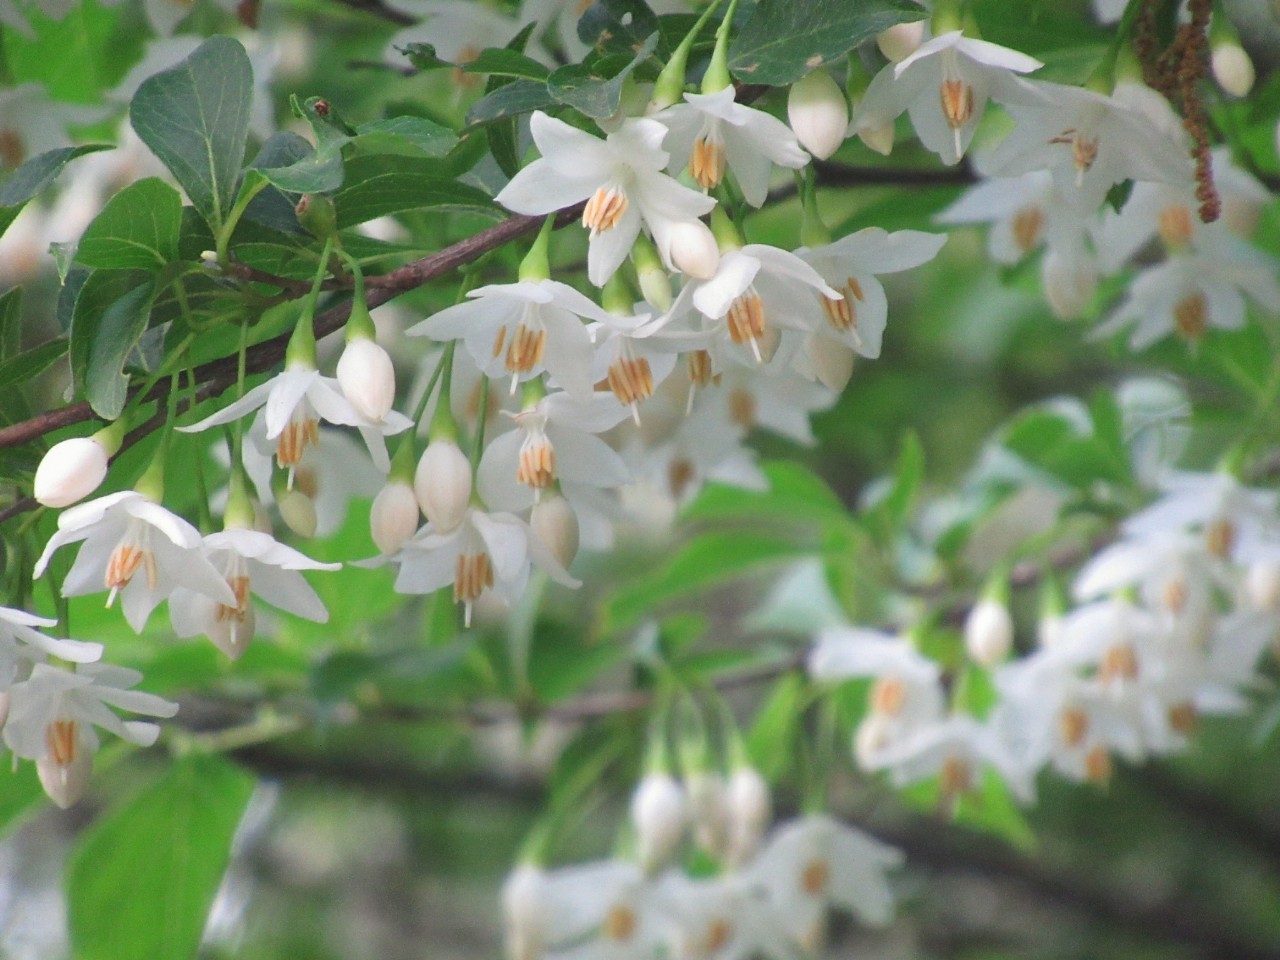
195, 118
111, 314
511, 100
11, 323
784, 40
142, 879
596, 91
273, 207
137, 229
506, 63
415, 135
423, 56
381, 185
770, 742
889, 512
26, 366
34, 176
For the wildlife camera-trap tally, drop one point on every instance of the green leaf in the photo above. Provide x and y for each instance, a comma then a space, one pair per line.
142, 879
593, 91
795, 495
137, 229
72, 55
423, 56
783, 40
703, 562
195, 117
506, 63
416, 135
890, 511
771, 740
10, 323
26, 366
380, 185
617, 25
511, 100
273, 207
111, 314
34, 176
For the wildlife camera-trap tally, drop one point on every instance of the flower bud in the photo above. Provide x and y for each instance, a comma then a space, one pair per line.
393, 519
1050, 629
877, 135
692, 249
442, 484
988, 633
707, 811
832, 362
70, 471
750, 807
1262, 585
298, 512
900, 41
525, 908
556, 525
818, 114
1069, 284
367, 378
66, 783
658, 816
1233, 69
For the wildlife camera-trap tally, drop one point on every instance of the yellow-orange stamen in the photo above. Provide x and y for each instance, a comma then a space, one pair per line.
604, 209
1097, 765
240, 587
1175, 226
699, 362
888, 696
1183, 717
1220, 538
1027, 224
631, 381
1119, 663
298, 434
526, 349
706, 163
742, 408
12, 149
537, 463
499, 340
60, 738
1191, 316
1073, 726
1174, 595
620, 923
955, 777
746, 321
1084, 150
957, 102
815, 877
680, 474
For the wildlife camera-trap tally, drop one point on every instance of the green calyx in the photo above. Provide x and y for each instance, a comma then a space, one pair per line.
669, 87
111, 436
536, 265
360, 322
717, 76
723, 229
239, 514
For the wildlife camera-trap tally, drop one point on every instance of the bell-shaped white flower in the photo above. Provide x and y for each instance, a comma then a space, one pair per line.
710, 131
485, 552
525, 909
70, 471
814, 863
818, 113
22, 646
621, 179
945, 85
296, 400
53, 713
253, 564
554, 522
134, 548
1088, 141
518, 330
901, 40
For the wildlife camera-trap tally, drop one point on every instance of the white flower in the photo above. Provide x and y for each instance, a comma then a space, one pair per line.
724, 918
252, 563
459, 30
749, 807
632, 365
22, 646
756, 291
555, 523
710, 130
126, 534
622, 176
814, 863
484, 552
988, 633
782, 403
555, 439
52, 716
1189, 294
442, 484
367, 378
818, 113
608, 911
1024, 212
70, 471
945, 85
850, 265
955, 750
296, 400
393, 518
520, 329
1088, 141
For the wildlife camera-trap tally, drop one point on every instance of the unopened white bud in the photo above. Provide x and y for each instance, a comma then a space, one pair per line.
70, 471
707, 812
1233, 69
367, 378
1050, 630
655, 286
1262, 585
66, 783
693, 250
878, 136
1069, 284
556, 525
298, 513
393, 519
988, 633
818, 114
658, 816
442, 484
901, 40
525, 909
750, 808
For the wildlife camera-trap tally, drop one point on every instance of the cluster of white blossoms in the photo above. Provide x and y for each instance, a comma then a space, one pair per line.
770, 894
